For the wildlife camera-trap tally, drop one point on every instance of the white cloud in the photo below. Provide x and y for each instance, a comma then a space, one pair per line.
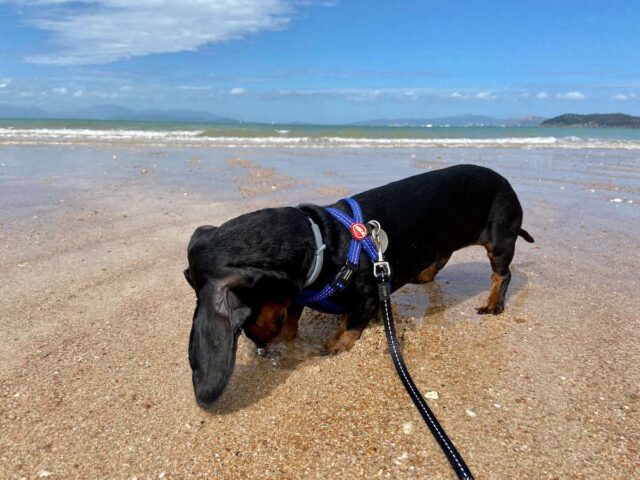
78, 93
61, 90
102, 31
542, 95
237, 91
410, 94
197, 88
571, 96
619, 97
400, 94
486, 95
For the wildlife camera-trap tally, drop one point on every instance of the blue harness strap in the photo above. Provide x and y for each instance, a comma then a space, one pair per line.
360, 239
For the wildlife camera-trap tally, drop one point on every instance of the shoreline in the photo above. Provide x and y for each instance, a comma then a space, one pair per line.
152, 134
164, 140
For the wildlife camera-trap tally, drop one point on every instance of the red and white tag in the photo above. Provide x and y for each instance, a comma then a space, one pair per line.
358, 231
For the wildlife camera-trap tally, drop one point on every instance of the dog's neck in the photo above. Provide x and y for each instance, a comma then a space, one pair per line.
333, 236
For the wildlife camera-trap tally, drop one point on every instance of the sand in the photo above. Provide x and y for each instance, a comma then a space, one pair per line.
95, 319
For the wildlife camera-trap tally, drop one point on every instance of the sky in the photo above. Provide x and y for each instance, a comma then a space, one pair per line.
323, 61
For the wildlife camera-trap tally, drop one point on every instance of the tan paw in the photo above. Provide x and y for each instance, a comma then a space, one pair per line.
343, 341
496, 310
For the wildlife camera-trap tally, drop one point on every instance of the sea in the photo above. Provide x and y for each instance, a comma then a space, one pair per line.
16, 132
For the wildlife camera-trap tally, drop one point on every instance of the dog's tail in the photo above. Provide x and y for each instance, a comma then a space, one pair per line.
524, 234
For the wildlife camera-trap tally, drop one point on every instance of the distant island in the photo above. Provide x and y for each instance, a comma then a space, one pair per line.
596, 120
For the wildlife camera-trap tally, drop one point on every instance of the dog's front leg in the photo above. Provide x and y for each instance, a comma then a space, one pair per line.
290, 328
353, 324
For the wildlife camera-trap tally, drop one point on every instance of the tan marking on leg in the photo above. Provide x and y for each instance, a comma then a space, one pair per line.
290, 328
343, 339
493, 301
342, 327
494, 292
428, 274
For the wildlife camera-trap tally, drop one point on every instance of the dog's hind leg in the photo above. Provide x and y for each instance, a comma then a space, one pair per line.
500, 254
429, 273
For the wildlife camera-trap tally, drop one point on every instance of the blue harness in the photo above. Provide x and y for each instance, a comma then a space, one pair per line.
360, 239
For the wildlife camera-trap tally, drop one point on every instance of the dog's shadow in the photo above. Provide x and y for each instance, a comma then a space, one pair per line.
457, 283
255, 376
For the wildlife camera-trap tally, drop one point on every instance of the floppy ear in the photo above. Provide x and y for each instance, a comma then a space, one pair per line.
187, 276
228, 303
217, 323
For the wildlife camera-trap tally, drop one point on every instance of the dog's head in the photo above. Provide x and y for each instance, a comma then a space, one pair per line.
235, 292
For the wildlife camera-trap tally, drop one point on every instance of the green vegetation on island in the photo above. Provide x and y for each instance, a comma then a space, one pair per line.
596, 120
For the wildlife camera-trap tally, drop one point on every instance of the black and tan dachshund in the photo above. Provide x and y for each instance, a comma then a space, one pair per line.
248, 272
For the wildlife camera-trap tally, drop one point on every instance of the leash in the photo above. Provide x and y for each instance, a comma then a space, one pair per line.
382, 272
373, 241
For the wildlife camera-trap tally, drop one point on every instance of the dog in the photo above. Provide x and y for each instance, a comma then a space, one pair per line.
248, 273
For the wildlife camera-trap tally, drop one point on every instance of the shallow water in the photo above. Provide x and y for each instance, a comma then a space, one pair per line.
33, 132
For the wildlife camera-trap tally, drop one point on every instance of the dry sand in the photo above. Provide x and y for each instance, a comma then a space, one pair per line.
95, 318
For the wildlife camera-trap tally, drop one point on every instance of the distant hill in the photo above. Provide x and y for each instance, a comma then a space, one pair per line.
595, 120
115, 113
9, 111
455, 121
528, 121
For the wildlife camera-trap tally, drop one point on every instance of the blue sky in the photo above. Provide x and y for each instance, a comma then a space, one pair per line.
323, 61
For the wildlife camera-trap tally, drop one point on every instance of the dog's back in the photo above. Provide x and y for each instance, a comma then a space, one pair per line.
429, 216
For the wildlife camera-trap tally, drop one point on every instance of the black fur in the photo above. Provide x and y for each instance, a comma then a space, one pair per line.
264, 256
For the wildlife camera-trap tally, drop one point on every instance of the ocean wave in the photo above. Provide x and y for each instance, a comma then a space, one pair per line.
53, 136
44, 134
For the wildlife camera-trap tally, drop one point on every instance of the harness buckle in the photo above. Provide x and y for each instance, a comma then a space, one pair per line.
344, 277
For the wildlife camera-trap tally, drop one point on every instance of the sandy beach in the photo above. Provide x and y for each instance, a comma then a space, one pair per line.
95, 317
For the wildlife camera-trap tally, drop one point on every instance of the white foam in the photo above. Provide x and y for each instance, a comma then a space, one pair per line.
86, 133
198, 137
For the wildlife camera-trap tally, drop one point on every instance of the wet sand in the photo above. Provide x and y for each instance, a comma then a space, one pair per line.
95, 319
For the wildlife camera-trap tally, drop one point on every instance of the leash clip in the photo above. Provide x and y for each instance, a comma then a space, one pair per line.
381, 269
379, 237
